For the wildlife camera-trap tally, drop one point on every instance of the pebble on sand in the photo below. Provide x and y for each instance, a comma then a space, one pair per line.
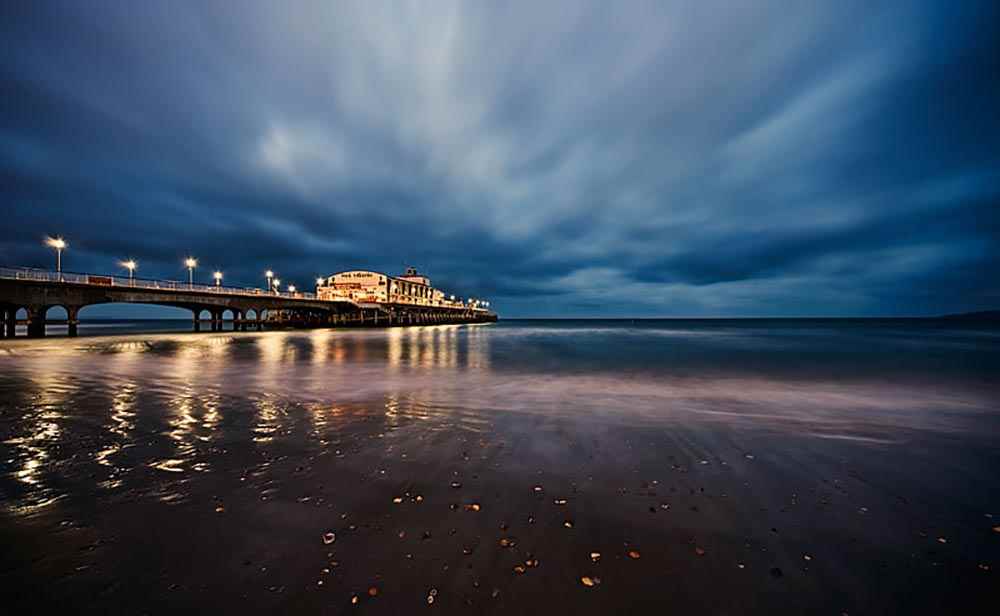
595, 556
700, 551
559, 501
329, 538
473, 507
590, 581
372, 591
633, 554
568, 523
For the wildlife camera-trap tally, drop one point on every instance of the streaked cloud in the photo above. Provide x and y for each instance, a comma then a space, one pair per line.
708, 158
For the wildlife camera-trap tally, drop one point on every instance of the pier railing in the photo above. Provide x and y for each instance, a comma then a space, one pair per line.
124, 282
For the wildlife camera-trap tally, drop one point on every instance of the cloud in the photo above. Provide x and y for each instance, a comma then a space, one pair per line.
695, 159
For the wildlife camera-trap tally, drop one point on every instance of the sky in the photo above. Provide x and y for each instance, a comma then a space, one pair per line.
599, 159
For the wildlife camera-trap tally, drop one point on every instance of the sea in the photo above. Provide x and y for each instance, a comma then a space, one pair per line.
712, 466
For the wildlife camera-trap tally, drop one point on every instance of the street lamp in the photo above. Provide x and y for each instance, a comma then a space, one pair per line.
277, 286
191, 263
130, 265
291, 288
319, 282
218, 278
59, 244
268, 275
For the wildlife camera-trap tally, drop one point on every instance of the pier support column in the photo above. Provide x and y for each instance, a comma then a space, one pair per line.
72, 320
36, 321
9, 322
216, 321
197, 320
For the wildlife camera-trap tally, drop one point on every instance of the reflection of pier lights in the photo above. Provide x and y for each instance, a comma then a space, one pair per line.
320, 341
478, 354
452, 339
413, 346
394, 351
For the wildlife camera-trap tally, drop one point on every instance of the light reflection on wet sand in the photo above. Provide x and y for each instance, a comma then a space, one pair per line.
251, 426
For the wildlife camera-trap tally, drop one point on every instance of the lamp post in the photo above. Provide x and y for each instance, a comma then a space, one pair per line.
319, 283
269, 275
191, 263
218, 278
130, 265
291, 288
277, 286
59, 244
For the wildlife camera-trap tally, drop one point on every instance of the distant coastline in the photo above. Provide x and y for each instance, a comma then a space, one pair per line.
980, 315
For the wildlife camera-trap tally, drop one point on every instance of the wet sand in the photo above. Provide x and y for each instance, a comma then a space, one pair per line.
496, 470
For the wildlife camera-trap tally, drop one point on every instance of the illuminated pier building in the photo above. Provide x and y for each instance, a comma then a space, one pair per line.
368, 287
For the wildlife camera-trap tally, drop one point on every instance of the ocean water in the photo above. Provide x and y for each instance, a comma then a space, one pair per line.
724, 466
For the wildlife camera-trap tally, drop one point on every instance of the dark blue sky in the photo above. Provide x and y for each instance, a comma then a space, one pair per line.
578, 159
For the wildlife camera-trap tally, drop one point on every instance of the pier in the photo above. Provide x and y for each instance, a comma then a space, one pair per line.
229, 308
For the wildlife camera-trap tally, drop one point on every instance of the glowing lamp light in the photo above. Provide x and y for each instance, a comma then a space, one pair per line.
130, 265
218, 278
291, 288
191, 263
59, 244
